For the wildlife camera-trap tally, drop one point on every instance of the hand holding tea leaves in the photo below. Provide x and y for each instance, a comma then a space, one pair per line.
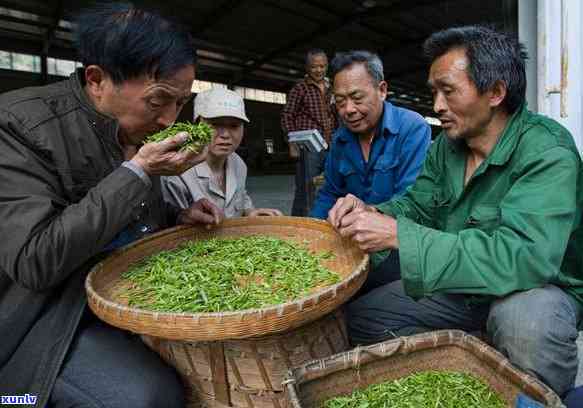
344, 206
174, 150
202, 211
197, 136
165, 159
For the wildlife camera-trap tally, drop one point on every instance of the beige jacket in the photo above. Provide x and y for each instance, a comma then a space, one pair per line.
197, 183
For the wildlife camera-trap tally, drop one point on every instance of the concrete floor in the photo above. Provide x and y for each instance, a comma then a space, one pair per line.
272, 192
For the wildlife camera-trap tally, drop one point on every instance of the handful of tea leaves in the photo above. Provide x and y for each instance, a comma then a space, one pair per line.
219, 275
435, 389
199, 135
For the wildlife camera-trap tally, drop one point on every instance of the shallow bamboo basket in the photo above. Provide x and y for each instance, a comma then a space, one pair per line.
237, 358
311, 384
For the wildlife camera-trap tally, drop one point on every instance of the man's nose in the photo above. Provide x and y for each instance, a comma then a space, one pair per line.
350, 107
439, 104
167, 117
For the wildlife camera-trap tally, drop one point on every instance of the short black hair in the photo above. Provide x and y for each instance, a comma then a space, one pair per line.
371, 61
127, 42
492, 56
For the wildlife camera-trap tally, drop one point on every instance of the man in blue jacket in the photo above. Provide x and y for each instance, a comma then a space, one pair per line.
379, 149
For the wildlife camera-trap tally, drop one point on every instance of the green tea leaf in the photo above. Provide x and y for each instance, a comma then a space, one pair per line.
219, 275
199, 135
427, 389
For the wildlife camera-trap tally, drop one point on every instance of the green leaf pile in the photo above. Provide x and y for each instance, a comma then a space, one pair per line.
427, 389
229, 274
199, 135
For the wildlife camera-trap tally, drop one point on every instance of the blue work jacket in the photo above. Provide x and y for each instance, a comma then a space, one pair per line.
397, 153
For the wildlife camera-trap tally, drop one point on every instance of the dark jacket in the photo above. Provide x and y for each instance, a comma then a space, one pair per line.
63, 197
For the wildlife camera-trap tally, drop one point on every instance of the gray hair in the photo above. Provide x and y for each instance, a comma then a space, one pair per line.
312, 53
371, 61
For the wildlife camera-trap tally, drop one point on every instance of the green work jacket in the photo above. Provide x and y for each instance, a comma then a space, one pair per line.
515, 226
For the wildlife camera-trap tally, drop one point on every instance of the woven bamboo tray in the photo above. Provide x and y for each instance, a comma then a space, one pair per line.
311, 384
103, 283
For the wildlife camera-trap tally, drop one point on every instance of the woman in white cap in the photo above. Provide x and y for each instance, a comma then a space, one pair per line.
221, 178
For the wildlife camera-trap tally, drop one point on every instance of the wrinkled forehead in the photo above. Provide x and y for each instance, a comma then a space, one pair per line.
452, 66
353, 78
178, 85
318, 59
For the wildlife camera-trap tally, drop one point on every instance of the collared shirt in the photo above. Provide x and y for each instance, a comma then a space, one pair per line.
514, 226
198, 182
396, 155
308, 108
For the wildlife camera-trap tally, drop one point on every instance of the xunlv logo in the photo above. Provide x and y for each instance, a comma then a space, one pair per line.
25, 399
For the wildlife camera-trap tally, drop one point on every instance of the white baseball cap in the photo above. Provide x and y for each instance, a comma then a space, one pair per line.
218, 102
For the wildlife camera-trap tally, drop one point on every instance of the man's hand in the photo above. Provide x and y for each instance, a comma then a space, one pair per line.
202, 211
165, 159
269, 212
346, 205
371, 231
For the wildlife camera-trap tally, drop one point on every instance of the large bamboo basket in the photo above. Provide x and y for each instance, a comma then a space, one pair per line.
103, 283
310, 384
237, 359
248, 373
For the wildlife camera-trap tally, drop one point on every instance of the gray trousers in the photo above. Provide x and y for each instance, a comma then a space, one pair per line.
536, 329
110, 368
308, 166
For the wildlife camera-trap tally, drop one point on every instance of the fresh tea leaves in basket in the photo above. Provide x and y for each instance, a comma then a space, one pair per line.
226, 274
199, 135
435, 389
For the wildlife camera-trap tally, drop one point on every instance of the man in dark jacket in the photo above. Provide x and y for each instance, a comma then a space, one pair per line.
76, 182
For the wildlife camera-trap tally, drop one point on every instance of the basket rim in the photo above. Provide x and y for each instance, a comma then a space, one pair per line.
232, 222
353, 358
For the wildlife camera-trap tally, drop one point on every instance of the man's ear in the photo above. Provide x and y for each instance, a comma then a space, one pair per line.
96, 80
383, 89
497, 93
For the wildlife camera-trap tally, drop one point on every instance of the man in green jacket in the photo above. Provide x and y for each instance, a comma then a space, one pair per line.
76, 182
489, 236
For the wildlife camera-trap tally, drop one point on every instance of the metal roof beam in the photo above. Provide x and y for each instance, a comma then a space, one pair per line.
31, 7
330, 28
325, 29
215, 16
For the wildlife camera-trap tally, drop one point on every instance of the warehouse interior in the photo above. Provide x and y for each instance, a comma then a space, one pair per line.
258, 48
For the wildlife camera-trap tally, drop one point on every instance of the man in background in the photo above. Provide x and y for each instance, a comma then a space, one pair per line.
309, 106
